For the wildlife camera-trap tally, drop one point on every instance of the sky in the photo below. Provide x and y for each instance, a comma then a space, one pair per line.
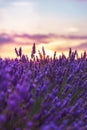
55, 24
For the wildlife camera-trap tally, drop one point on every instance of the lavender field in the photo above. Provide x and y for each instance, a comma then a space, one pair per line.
43, 93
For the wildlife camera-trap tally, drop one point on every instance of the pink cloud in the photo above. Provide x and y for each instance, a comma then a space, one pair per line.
81, 46
6, 38
46, 38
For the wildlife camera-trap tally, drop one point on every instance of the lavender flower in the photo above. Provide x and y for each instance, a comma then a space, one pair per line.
43, 93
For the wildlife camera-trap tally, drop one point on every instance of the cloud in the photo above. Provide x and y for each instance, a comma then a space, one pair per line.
72, 30
21, 3
27, 39
38, 38
53, 42
74, 37
19, 16
51, 36
5, 38
82, 46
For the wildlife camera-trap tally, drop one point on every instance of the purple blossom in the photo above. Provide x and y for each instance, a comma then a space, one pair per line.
44, 94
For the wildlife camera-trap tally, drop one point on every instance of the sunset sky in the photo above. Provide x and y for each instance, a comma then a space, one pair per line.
55, 24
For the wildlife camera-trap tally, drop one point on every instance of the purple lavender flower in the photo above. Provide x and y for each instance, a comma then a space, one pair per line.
33, 50
43, 93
